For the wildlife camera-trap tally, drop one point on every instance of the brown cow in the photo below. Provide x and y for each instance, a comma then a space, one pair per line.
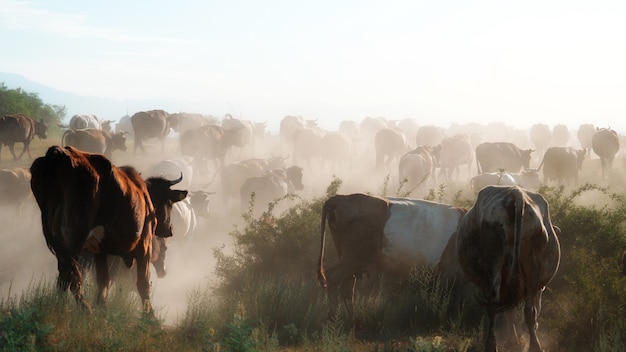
491, 157
390, 144
88, 203
389, 235
93, 140
605, 144
562, 164
150, 124
20, 129
513, 227
271, 186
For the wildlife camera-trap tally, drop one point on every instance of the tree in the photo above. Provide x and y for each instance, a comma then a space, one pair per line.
18, 101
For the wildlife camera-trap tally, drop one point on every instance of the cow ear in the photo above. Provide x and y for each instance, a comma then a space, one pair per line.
178, 195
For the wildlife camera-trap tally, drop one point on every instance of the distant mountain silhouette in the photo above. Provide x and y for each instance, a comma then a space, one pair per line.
104, 108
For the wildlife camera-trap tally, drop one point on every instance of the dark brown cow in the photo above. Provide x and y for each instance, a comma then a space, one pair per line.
513, 227
87, 203
389, 235
605, 143
492, 157
93, 140
20, 129
562, 164
150, 124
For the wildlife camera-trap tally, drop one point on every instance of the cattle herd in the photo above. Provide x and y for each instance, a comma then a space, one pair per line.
505, 244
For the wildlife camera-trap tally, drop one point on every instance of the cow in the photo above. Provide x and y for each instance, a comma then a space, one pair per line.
560, 135
352, 129
409, 127
150, 124
87, 203
337, 149
19, 128
308, 144
453, 152
250, 131
182, 122
82, 121
389, 235
234, 175
528, 179
491, 157
513, 226
390, 144
125, 125
185, 214
272, 185
605, 143
210, 141
289, 124
540, 136
585, 134
416, 169
94, 140
171, 168
16, 197
429, 135
562, 164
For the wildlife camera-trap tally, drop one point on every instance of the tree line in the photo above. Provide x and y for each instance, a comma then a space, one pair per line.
18, 101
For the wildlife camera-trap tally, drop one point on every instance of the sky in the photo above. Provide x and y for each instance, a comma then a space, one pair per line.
440, 62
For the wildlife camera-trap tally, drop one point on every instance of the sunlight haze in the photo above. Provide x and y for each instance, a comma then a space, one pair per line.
439, 62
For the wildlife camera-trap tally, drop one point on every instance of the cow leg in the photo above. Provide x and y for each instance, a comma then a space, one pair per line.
347, 290
143, 282
24, 150
340, 280
102, 276
12, 150
532, 306
490, 339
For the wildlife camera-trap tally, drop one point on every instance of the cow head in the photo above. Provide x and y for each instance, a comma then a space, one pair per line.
163, 197
118, 141
41, 129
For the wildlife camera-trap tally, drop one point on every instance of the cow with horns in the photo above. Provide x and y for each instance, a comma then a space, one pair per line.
87, 203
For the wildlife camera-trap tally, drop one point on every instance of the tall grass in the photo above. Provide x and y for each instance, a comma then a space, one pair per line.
267, 299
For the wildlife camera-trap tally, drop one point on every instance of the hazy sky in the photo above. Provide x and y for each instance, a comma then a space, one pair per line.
436, 61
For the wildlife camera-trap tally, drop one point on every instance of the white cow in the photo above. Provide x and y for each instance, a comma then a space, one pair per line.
389, 235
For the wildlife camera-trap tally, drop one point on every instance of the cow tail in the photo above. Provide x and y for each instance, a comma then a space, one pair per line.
63, 144
321, 276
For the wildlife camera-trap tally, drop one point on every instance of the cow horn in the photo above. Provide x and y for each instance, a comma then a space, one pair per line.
173, 182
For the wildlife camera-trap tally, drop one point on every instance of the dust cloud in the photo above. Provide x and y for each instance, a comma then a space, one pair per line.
24, 257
